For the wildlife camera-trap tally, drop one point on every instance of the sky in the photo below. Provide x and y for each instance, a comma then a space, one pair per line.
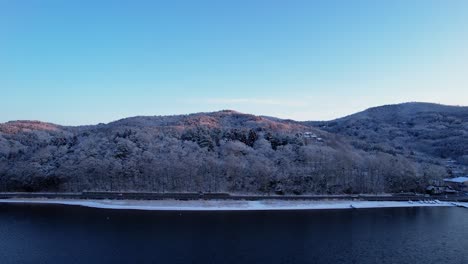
88, 62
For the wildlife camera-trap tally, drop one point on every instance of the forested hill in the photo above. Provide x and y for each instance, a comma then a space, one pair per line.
228, 151
419, 131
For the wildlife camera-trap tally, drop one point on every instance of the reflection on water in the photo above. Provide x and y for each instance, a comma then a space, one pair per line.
63, 234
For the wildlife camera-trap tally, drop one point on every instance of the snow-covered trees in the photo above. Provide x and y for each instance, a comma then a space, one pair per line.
218, 152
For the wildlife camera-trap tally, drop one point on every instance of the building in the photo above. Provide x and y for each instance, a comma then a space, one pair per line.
309, 135
440, 190
459, 183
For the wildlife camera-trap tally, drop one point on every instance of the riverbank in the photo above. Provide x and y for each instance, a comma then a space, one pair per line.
226, 205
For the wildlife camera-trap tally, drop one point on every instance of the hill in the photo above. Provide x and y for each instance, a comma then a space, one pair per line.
420, 131
223, 151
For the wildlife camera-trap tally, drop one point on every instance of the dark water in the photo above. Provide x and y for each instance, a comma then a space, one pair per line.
61, 234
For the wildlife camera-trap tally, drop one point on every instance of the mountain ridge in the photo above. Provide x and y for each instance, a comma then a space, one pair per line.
235, 152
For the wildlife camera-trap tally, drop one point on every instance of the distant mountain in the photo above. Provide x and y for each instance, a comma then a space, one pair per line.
421, 131
387, 149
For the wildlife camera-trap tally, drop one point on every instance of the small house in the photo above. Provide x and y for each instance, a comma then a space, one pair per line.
434, 190
459, 183
309, 135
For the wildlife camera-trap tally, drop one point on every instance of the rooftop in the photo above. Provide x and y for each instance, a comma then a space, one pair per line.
457, 180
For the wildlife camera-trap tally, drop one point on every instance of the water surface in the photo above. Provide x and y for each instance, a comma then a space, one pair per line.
68, 234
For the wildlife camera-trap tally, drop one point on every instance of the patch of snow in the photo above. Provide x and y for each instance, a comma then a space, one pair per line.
465, 205
223, 205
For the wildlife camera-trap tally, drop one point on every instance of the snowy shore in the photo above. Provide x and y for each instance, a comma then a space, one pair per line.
225, 205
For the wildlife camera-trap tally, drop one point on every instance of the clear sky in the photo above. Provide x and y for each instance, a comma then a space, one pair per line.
92, 61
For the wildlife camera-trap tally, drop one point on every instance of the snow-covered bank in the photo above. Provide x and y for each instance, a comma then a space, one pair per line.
225, 205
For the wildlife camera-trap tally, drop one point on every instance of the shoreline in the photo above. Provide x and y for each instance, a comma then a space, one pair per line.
223, 205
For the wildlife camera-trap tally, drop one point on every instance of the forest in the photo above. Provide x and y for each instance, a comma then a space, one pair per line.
226, 151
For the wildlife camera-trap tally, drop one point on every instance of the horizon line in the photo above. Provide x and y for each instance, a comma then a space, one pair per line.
231, 110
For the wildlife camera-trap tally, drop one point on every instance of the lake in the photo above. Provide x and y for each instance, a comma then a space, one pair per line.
68, 234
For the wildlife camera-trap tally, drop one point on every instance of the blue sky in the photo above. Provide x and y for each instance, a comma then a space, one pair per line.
85, 62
